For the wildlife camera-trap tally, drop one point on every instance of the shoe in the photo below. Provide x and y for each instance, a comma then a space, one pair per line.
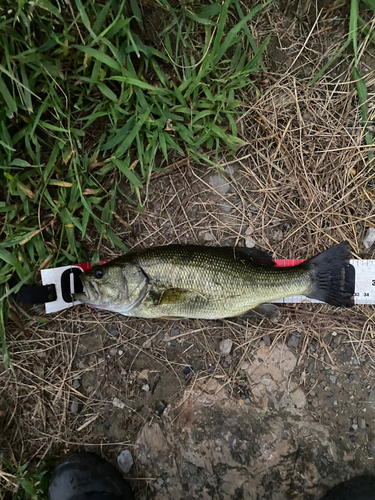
358, 488
86, 476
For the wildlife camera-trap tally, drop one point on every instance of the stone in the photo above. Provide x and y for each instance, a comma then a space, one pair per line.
76, 384
219, 184
250, 242
225, 206
112, 329
145, 387
113, 351
225, 347
174, 333
369, 238
294, 339
208, 237
267, 340
118, 403
75, 407
125, 461
333, 379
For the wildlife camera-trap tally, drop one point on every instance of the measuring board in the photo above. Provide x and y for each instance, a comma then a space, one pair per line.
364, 282
66, 278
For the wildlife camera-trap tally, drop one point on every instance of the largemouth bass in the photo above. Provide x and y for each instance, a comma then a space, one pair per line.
178, 281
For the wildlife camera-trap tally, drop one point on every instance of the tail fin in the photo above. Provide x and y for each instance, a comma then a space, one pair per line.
333, 278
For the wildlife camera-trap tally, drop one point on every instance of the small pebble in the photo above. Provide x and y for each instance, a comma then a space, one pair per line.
174, 333
224, 206
113, 331
113, 351
267, 340
355, 361
333, 379
75, 407
370, 238
120, 352
294, 339
76, 384
145, 387
186, 370
219, 184
310, 367
225, 347
174, 343
363, 423
160, 409
330, 399
166, 337
125, 461
354, 427
351, 377
118, 403
312, 348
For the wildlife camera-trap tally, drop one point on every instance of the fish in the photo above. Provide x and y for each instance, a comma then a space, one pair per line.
192, 281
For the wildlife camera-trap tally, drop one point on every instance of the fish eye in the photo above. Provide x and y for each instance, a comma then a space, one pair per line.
99, 274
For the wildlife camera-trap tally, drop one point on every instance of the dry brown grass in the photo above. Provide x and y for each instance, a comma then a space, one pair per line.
302, 183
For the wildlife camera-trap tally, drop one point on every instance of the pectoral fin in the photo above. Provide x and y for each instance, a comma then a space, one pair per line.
170, 296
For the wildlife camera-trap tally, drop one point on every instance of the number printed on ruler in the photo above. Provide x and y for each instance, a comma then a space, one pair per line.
364, 281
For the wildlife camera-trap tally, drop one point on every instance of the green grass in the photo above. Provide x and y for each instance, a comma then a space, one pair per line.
86, 101
31, 484
357, 25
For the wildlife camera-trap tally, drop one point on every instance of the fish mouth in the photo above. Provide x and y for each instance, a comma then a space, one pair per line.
91, 292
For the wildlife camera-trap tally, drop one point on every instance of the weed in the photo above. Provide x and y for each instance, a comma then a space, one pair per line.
88, 100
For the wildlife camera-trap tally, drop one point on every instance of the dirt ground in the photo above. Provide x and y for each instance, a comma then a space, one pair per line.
242, 408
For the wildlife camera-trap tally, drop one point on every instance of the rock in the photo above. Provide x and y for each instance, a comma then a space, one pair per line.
369, 238
371, 449
363, 423
125, 461
333, 379
166, 337
208, 237
219, 184
174, 343
372, 396
174, 333
267, 340
118, 403
120, 352
351, 377
225, 347
76, 384
294, 339
145, 387
113, 351
330, 399
224, 206
113, 331
250, 242
186, 370
75, 406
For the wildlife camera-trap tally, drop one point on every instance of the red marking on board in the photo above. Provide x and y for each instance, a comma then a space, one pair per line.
86, 266
288, 262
